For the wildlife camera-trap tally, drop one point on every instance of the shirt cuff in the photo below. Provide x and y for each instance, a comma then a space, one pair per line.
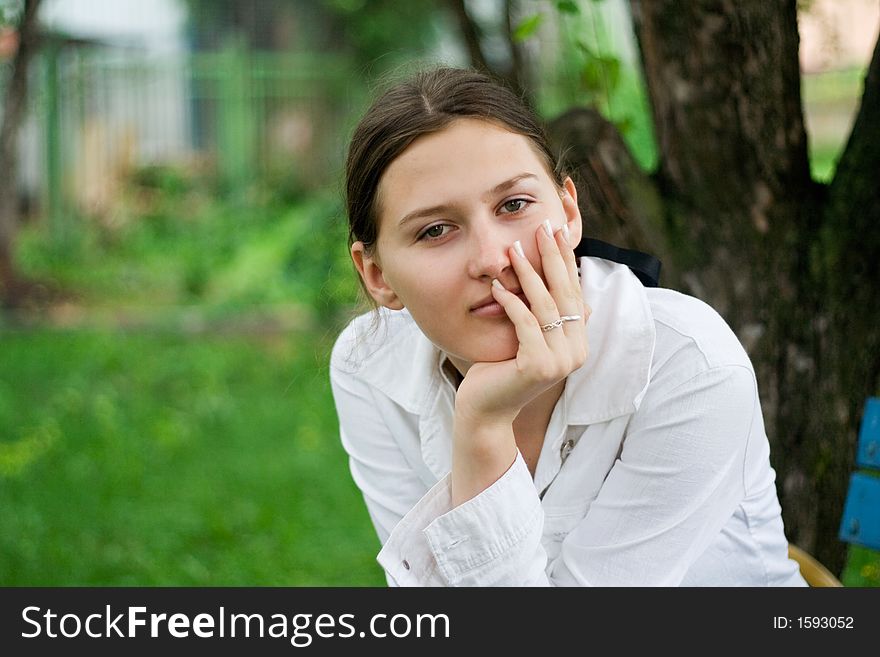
490, 540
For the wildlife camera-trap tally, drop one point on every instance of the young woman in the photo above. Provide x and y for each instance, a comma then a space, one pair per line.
517, 417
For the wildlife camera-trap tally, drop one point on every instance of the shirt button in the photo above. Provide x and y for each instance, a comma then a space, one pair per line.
406, 564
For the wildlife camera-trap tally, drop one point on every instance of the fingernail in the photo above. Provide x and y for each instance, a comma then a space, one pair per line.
518, 248
497, 283
548, 228
566, 233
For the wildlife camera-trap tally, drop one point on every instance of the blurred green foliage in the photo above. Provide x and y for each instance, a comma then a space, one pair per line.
171, 423
176, 240
378, 34
10, 11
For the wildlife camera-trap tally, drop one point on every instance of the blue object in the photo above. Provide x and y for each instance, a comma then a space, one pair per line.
868, 455
860, 522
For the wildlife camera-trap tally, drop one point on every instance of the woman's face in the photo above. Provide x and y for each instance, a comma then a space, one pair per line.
450, 207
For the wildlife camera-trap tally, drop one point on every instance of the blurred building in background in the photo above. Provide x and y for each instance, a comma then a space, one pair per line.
226, 88
268, 90
837, 39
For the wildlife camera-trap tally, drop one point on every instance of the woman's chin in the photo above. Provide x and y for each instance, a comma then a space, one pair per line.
490, 347
497, 351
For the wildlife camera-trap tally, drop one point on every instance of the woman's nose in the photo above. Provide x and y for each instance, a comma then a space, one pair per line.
489, 256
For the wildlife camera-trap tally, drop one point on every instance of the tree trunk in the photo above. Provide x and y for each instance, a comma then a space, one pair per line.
517, 73
795, 275
13, 113
471, 34
850, 336
738, 222
619, 202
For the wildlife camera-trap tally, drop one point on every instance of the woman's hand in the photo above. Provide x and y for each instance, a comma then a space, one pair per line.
492, 394
496, 392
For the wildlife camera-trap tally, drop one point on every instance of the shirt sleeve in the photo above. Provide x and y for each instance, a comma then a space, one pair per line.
485, 541
493, 539
387, 481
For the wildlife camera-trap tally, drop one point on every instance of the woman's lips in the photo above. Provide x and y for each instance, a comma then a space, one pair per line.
495, 310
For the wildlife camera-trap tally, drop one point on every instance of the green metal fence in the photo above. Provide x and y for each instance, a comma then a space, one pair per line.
99, 113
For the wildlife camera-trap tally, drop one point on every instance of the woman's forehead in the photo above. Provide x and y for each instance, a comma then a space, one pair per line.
469, 157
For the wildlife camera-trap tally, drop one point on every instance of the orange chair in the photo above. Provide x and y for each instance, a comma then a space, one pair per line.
812, 571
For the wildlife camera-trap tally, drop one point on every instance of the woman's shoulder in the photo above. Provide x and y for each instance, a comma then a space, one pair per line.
688, 328
370, 336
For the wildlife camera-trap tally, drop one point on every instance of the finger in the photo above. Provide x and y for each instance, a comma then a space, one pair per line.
543, 305
539, 349
559, 262
571, 265
528, 331
566, 248
566, 296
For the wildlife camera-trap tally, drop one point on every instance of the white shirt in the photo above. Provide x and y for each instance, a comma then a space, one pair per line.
654, 469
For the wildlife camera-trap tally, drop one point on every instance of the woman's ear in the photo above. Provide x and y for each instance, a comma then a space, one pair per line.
374, 280
572, 211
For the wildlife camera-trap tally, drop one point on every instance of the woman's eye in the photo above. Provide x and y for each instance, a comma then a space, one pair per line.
434, 232
514, 205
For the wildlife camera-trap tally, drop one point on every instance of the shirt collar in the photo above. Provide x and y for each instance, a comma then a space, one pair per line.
610, 384
621, 334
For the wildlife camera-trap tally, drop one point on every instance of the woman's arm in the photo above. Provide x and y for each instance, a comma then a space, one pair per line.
388, 482
491, 395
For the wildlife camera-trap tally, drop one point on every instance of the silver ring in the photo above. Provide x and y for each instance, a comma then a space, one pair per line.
552, 325
559, 322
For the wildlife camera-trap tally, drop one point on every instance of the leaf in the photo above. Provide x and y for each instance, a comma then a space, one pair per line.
624, 125
611, 71
598, 72
585, 48
591, 76
568, 7
527, 27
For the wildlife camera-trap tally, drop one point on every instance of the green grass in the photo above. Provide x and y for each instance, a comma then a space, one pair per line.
157, 459
168, 420
862, 568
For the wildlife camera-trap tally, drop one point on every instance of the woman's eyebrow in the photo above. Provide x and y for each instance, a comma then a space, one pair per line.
507, 184
441, 209
423, 212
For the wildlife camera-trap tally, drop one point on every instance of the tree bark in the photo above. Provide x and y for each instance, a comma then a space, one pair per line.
517, 73
619, 202
753, 235
13, 113
471, 34
850, 269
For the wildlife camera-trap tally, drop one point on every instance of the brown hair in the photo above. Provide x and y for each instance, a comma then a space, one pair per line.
426, 103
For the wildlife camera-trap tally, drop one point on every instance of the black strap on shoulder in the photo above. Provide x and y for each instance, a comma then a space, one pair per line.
645, 267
